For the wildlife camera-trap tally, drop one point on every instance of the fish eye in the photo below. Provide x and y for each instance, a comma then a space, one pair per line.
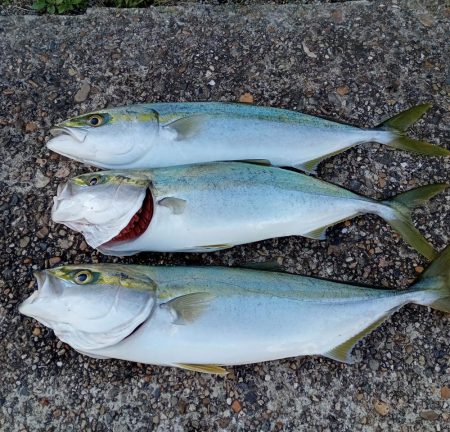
93, 181
83, 277
95, 120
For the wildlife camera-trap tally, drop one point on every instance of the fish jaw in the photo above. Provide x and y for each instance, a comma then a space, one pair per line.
39, 304
103, 214
69, 142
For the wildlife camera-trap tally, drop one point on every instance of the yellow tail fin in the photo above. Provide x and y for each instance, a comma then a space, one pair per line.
401, 221
402, 121
437, 278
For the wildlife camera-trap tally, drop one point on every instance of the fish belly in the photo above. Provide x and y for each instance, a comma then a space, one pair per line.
215, 219
283, 144
243, 329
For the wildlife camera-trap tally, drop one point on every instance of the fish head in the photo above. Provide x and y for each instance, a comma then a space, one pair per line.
104, 205
91, 306
107, 138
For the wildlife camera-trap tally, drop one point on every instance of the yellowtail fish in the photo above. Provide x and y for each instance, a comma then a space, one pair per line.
203, 318
201, 208
167, 134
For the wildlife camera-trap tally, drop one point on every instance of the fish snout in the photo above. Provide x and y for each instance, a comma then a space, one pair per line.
65, 207
69, 142
29, 306
79, 134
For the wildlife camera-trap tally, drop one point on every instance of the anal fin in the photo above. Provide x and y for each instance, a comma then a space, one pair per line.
94, 356
204, 368
343, 351
215, 247
317, 234
310, 166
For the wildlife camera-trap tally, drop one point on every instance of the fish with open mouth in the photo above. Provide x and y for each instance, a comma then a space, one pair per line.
167, 134
203, 318
207, 207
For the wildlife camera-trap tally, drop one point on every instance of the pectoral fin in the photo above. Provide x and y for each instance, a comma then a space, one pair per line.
343, 351
189, 307
177, 205
187, 127
204, 368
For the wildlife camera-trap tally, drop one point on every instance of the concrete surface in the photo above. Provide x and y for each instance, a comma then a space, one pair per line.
358, 62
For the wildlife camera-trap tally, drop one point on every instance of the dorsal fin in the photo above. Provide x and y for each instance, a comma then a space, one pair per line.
271, 266
263, 162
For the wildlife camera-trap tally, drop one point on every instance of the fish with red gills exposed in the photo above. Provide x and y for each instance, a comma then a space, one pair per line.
201, 208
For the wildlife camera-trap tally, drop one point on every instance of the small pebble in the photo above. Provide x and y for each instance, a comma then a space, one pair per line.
246, 98
82, 94
236, 406
31, 127
54, 260
342, 91
381, 407
23, 242
429, 415
445, 392
40, 180
42, 233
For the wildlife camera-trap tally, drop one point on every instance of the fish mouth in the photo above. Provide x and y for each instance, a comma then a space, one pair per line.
138, 224
24, 307
68, 142
78, 134
30, 306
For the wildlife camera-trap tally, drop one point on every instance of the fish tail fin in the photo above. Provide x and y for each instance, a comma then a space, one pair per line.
436, 280
402, 121
400, 216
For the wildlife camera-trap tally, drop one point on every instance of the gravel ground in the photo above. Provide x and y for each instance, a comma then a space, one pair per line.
24, 7
358, 62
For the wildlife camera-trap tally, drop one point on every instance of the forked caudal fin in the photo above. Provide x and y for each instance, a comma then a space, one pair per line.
398, 125
400, 217
437, 279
